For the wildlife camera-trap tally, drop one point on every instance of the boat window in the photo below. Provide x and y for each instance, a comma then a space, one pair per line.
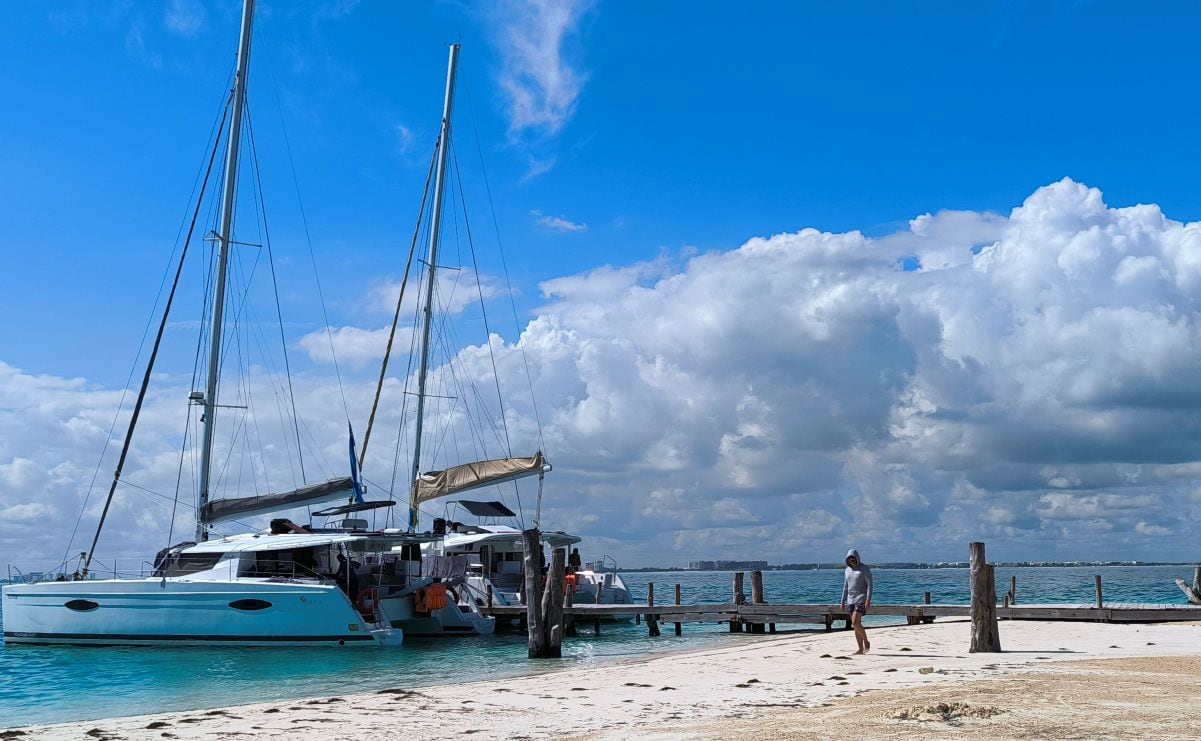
190, 563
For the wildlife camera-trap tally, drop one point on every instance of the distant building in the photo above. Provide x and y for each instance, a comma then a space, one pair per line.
727, 565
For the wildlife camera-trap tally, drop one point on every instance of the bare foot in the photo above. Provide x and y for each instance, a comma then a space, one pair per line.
867, 646
860, 652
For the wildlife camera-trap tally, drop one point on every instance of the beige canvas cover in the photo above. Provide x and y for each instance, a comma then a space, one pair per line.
469, 476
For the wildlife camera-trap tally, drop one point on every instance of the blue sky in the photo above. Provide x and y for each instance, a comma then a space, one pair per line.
648, 134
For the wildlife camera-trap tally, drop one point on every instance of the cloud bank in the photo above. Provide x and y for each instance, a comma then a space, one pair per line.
1027, 379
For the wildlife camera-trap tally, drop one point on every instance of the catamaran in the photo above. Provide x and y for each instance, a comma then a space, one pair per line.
338, 583
489, 553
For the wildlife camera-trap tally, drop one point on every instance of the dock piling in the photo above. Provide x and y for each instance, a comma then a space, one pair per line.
535, 625
1100, 602
757, 598
679, 626
1013, 590
986, 636
739, 598
651, 623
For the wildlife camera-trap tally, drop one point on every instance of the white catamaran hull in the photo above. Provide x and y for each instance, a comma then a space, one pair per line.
185, 612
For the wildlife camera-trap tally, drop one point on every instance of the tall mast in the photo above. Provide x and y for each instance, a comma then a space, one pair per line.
427, 309
223, 241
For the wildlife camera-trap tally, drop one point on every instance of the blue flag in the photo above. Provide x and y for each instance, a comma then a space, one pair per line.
354, 468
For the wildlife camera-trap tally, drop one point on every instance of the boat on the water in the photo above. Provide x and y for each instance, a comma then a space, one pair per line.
339, 583
496, 552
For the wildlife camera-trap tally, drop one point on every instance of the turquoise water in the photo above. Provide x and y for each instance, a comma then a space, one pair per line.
45, 684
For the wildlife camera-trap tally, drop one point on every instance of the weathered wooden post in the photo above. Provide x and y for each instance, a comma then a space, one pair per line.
757, 597
652, 624
1100, 602
1197, 579
1013, 590
535, 625
552, 603
679, 627
986, 636
568, 618
739, 598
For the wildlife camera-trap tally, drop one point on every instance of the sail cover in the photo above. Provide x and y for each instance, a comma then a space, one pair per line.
219, 510
470, 476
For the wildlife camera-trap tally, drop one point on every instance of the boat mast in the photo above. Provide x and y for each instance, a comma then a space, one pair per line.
209, 402
427, 309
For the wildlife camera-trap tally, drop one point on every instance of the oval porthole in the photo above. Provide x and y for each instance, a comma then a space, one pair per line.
250, 604
82, 605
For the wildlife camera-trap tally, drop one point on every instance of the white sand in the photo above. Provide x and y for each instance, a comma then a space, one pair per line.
736, 689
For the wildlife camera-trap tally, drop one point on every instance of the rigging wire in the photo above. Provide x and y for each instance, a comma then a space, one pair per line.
379, 387
214, 136
329, 333
158, 339
254, 156
504, 263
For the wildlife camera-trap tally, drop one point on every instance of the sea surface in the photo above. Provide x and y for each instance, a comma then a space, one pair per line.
48, 684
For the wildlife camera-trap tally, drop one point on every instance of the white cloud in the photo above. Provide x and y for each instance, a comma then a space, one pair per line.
539, 80
184, 17
1032, 383
557, 223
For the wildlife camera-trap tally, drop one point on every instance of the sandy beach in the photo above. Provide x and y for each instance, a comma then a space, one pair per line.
1061, 680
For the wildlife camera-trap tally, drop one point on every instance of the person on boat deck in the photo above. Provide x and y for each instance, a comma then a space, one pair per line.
573, 561
348, 579
857, 596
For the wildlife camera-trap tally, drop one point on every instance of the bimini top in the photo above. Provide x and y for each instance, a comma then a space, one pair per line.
468, 476
487, 509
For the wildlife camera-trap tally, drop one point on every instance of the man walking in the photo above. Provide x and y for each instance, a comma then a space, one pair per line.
857, 596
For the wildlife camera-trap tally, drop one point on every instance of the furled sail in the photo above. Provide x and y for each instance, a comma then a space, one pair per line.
468, 476
219, 510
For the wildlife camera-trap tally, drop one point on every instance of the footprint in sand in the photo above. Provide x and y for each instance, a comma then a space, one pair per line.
836, 677
635, 684
906, 648
752, 681
842, 658
890, 670
828, 656
1149, 643
662, 689
156, 725
272, 710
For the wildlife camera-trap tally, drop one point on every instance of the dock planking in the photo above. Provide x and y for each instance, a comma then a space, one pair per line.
826, 614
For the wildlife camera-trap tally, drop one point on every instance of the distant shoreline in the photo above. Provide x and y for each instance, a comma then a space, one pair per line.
904, 565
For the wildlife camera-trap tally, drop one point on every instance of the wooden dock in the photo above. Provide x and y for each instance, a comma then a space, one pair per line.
827, 615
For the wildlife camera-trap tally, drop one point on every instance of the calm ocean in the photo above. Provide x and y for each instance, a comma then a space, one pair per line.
46, 684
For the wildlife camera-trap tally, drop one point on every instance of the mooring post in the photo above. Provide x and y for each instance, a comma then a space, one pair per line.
535, 625
739, 598
651, 623
986, 636
757, 597
568, 618
679, 627
552, 603
1097, 578
1013, 590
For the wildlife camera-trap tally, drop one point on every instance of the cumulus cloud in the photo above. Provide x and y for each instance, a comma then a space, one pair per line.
1025, 378
537, 76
